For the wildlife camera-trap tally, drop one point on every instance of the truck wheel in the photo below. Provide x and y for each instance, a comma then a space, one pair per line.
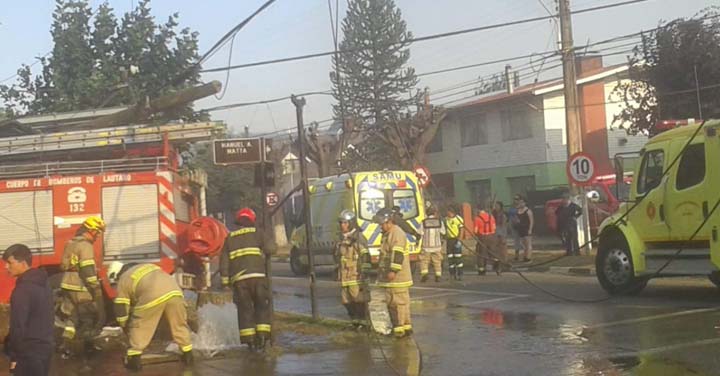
615, 270
296, 265
714, 277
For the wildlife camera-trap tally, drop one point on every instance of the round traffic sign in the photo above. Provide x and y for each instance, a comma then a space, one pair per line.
423, 175
580, 169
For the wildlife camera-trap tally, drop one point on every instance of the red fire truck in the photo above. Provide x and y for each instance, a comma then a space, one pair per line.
152, 206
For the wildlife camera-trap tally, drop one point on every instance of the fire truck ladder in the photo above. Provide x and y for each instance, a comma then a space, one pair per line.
125, 135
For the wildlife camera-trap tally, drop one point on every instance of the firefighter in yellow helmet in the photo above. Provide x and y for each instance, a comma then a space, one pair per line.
394, 273
80, 288
145, 293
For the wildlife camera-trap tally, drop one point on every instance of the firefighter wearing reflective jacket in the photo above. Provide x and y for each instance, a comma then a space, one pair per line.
432, 248
454, 226
80, 287
486, 248
353, 262
145, 293
242, 265
394, 273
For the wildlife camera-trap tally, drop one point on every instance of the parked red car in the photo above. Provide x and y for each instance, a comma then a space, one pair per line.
607, 204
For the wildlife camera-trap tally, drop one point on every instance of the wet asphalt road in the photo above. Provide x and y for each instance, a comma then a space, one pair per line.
494, 325
488, 326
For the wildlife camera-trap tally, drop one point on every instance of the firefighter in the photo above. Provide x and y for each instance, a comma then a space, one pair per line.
80, 287
145, 293
242, 266
454, 225
354, 260
485, 231
394, 273
432, 249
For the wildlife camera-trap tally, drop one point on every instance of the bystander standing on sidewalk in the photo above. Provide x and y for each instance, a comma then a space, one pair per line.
513, 224
501, 231
566, 216
526, 223
31, 339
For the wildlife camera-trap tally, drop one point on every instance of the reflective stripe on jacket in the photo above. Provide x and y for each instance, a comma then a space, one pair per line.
242, 256
78, 264
454, 225
141, 287
394, 258
354, 257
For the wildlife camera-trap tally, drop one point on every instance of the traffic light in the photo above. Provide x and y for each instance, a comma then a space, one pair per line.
269, 175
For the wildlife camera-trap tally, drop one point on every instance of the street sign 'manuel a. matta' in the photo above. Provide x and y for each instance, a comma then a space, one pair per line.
238, 151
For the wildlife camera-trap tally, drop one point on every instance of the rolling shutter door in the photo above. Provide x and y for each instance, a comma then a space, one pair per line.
131, 215
182, 207
27, 218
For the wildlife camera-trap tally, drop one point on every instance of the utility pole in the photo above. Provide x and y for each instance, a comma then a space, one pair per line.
299, 104
572, 113
264, 220
573, 127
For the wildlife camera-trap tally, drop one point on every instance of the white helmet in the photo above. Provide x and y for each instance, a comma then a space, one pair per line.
593, 196
113, 271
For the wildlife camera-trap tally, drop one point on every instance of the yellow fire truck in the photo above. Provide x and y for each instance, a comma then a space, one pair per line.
668, 227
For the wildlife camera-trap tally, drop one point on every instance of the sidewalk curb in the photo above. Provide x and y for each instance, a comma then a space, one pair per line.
578, 271
561, 270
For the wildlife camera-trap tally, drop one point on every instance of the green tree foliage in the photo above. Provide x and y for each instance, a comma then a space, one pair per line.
98, 61
373, 86
662, 74
374, 80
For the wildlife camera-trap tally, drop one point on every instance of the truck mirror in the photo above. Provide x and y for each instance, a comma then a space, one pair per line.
619, 174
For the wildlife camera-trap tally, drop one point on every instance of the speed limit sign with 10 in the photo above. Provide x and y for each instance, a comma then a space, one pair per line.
580, 168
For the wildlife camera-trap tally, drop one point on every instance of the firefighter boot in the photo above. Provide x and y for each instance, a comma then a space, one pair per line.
133, 363
260, 342
187, 358
350, 308
424, 278
359, 321
497, 267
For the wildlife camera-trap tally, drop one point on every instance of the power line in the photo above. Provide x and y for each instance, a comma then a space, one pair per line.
231, 34
420, 39
266, 101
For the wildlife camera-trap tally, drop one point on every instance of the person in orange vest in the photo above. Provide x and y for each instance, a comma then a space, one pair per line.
485, 232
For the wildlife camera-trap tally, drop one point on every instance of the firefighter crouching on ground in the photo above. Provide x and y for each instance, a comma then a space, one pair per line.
486, 247
432, 248
80, 286
145, 293
242, 265
354, 260
394, 273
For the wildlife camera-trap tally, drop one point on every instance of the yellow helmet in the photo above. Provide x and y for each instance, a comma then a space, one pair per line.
94, 223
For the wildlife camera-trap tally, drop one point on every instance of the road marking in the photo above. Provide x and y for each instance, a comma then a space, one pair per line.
436, 295
662, 349
650, 318
468, 291
492, 300
421, 288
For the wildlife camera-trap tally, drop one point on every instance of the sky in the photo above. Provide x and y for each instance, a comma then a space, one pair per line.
298, 27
